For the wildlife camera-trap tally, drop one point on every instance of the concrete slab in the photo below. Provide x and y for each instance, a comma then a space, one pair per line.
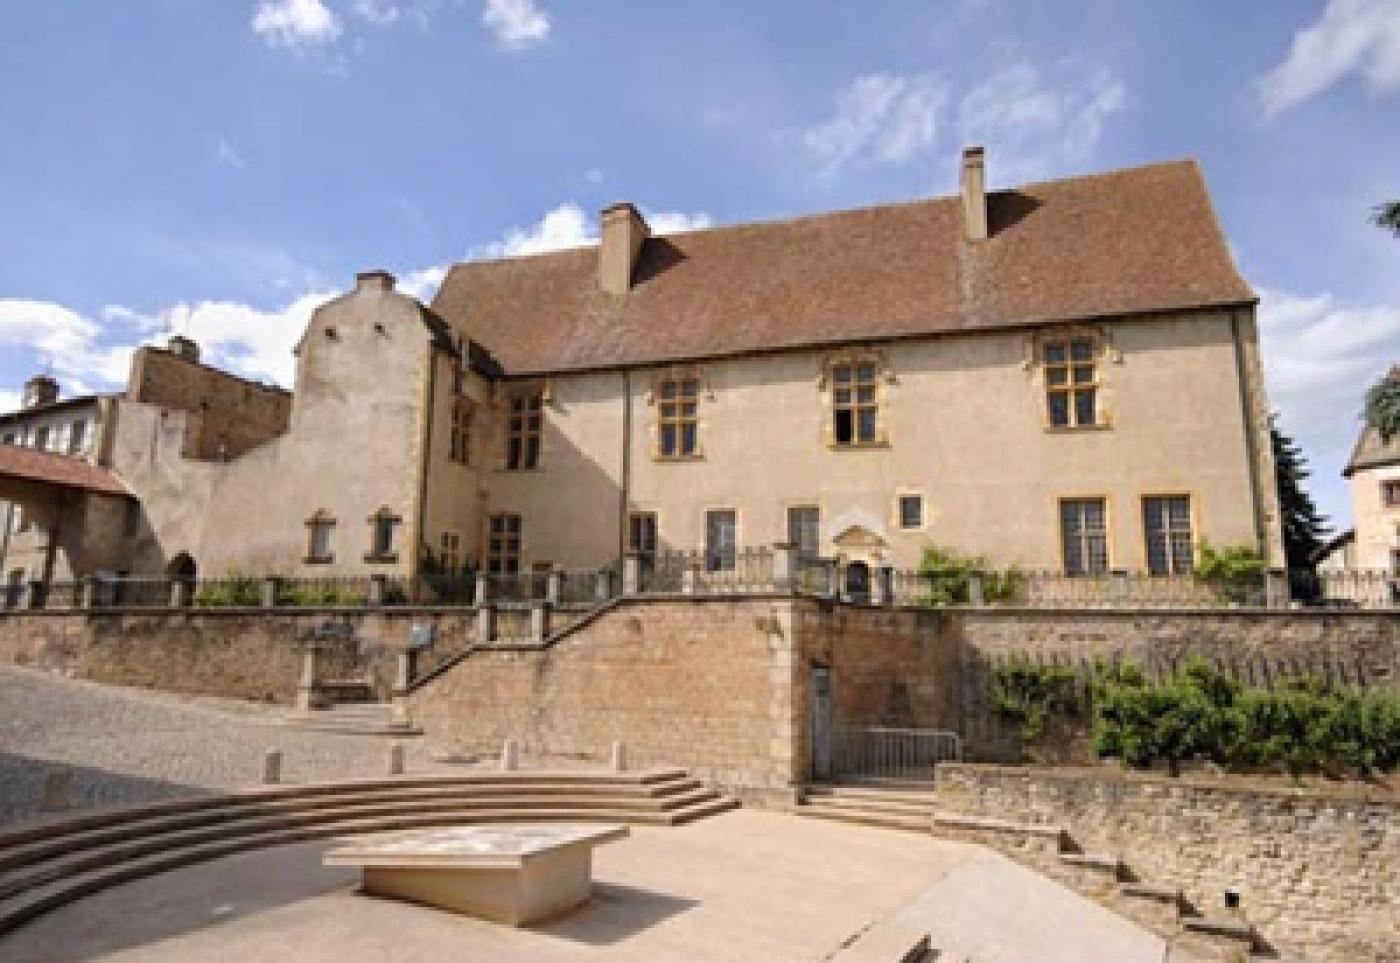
744, 886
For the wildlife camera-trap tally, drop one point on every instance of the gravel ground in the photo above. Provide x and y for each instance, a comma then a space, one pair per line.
124, 745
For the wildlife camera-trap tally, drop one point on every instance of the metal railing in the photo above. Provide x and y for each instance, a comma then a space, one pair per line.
881, 752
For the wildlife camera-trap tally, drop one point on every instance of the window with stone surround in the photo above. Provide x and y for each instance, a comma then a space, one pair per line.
1084, 536
384, 526
855, 405
503, 544
1071, 381
1390, 493
1166, 523
460, 446
677, 418
911, 512
319, 528
523, 429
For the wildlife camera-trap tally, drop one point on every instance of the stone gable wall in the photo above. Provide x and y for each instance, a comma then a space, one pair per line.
1318, 872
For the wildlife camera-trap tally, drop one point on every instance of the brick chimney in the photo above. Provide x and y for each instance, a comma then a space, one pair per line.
974, 193
39, 390
624, 231
375, 280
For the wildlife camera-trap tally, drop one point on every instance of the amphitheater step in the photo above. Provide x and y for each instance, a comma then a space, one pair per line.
864, 816
894, 803
45, 866
1217, 938
886, 942
353, 719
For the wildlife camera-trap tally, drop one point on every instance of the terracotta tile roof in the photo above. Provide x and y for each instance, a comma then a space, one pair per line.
1125, 242
65, 471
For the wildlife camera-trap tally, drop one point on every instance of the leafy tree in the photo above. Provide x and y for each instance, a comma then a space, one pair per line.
1304, 528
1387, 216
1235, 571
949, 573
1028, 694
1383, 406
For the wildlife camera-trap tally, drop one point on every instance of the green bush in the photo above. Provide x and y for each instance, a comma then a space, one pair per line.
1027, 695
234, 590
948, 575
1235, 571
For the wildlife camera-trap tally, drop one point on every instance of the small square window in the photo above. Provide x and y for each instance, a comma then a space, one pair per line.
911, 511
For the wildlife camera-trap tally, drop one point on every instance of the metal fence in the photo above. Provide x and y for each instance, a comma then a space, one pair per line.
880, 752
708, 573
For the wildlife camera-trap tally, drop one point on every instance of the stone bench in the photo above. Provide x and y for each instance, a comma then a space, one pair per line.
507, 874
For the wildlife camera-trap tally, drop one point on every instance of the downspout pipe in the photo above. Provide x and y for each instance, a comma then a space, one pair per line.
625, 496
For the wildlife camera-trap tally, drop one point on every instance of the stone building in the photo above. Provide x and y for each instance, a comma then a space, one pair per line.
1062, 376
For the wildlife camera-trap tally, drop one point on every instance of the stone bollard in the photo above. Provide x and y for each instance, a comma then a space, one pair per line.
554, 587
617, 760
485, 623
378, 590
396, 759
271, 588
602, 585
272, 767
631, 574
481, 595
181, 594
784, 567
308, 696
510, 756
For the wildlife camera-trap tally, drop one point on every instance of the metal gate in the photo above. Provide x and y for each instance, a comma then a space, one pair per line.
878, 752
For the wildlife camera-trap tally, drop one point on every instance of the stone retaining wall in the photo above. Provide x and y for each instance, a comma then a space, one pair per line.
248, 654
1318, 872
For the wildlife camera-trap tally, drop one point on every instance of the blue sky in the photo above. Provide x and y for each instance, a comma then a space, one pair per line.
218, 168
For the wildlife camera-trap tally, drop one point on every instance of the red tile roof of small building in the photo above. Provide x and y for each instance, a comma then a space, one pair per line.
1127, 242
64, 471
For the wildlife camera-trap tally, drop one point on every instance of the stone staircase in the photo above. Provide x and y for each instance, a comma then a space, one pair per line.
354, 719
45, 865
1051, 850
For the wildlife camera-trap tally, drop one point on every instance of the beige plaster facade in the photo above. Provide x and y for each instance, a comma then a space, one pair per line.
396, 440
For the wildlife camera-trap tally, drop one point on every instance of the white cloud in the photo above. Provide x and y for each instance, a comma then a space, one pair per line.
62, 340
249, 340
1320, 356
294, 23
1032, 126
229, 156
879, 119
567, 226
517, 24
381, 13
9, 400
1351, 36
422, 283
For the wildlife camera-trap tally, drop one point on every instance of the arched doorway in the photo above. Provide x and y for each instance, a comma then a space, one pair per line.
858, 583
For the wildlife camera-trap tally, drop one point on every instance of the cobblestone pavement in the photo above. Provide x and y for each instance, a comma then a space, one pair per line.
126, 745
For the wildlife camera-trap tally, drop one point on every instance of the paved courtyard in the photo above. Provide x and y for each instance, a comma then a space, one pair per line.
744, 886
128, 745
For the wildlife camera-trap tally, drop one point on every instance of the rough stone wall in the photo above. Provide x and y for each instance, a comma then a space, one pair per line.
231, 414
703, 684
239, 654
889, 667
1259, 648
1318, 873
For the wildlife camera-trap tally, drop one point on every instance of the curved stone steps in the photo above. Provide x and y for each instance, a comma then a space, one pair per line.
665, 796
108, 849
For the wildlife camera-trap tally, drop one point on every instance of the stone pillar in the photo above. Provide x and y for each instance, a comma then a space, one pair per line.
482, 595
690, 579
539, 621
378, 589
1118, 586
92, 592
976, 589
833, 580
784, 567
485, 623
617, 758
554, 586
602, 585
270, 587
510, 756
34, 594
1276, 591
308, 699
272, 767
181, 594
631, 574
882, 592
405, 669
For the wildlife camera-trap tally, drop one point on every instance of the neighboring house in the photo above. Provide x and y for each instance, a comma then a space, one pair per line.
1373, 472
1064, 376
1338, 555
